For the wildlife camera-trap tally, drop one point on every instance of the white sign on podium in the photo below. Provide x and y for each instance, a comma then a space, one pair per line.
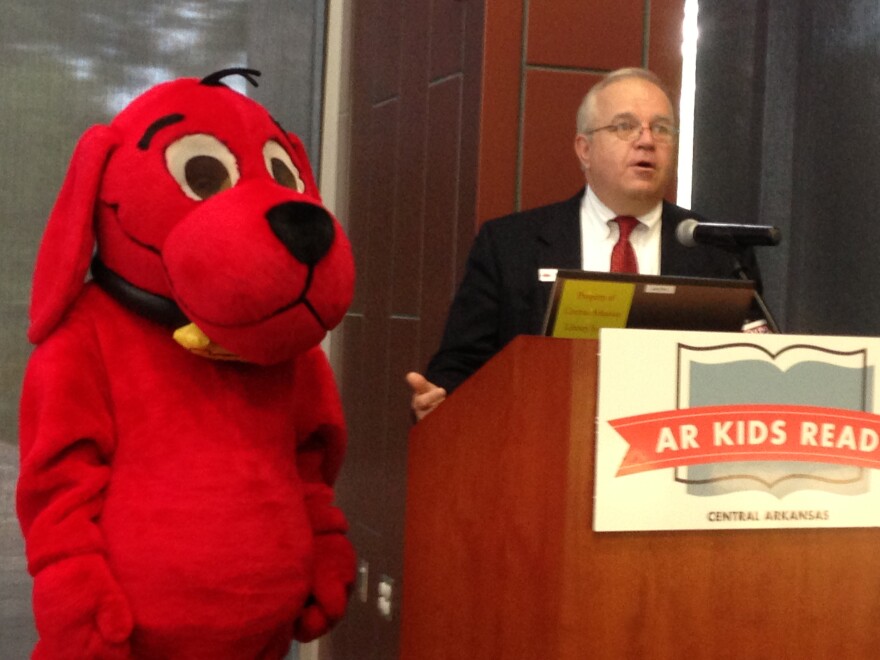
701, 430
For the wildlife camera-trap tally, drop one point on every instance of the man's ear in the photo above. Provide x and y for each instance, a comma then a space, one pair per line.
582, 146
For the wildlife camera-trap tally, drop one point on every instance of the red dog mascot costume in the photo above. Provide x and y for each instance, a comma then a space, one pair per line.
180, 427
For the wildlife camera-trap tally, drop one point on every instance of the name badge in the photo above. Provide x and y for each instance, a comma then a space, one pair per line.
547, 274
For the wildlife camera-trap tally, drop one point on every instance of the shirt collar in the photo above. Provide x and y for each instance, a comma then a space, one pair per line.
597, 212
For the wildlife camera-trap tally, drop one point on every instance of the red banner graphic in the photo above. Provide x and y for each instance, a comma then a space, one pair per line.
723, 434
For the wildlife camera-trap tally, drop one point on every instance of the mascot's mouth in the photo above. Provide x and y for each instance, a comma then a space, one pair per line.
114, 208
302, 299
167, 312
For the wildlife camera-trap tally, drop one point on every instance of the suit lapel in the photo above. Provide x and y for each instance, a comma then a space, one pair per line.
557, 245
558, 236
674, 257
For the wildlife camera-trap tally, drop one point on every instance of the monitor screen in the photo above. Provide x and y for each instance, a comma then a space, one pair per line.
583, 302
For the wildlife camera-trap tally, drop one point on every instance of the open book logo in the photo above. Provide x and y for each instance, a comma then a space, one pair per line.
751, 419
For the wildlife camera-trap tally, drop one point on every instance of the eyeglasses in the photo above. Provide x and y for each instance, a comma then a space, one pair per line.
630, 129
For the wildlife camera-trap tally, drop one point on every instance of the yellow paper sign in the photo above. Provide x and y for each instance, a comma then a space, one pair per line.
586, 306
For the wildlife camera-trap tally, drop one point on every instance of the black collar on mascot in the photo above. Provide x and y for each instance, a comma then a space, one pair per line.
151, 306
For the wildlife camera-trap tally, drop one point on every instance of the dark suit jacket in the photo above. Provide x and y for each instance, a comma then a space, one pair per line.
500, 296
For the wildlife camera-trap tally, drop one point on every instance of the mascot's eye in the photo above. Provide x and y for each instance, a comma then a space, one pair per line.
281, 167
201, 165
206, 176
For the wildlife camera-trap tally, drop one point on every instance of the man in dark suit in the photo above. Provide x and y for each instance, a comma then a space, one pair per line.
626, 144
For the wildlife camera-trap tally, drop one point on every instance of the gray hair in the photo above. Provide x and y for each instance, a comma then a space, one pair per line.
587, 109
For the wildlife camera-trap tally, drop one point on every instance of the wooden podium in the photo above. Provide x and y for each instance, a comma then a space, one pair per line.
501, 561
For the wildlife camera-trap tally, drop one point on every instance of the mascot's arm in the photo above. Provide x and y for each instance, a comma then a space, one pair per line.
66, 443
321, 438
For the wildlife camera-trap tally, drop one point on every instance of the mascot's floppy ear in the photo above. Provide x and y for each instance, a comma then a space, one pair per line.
69, 238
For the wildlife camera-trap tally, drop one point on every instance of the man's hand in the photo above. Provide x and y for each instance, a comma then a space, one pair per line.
426, 396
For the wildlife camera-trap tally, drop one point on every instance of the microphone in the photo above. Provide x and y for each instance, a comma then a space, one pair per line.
690, 233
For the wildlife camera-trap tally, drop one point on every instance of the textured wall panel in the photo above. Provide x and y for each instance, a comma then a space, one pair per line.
550, 169
384, 26
405, 177
664, 41
588, 34
499, 121
415, 95
446, 48
442, 197
530, 91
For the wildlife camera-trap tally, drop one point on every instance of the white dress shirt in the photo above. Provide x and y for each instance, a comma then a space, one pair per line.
599, 234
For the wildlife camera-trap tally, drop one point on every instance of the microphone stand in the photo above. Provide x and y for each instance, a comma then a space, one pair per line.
743, 275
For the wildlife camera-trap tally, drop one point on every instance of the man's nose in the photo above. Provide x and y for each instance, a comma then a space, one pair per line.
645, 136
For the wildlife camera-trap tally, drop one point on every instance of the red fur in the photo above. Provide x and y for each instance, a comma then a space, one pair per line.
175, 506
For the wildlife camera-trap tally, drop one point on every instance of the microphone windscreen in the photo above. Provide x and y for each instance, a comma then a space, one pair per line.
684, 232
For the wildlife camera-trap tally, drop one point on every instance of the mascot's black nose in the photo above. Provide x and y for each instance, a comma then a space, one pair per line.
305, 230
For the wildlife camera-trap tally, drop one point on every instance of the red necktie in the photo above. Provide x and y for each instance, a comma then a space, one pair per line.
623, 257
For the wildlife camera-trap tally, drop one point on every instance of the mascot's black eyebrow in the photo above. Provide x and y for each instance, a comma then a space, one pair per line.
283, 133
155, 127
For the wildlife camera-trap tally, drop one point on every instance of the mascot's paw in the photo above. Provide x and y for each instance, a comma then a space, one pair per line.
81, 612
312, 622
333, 578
